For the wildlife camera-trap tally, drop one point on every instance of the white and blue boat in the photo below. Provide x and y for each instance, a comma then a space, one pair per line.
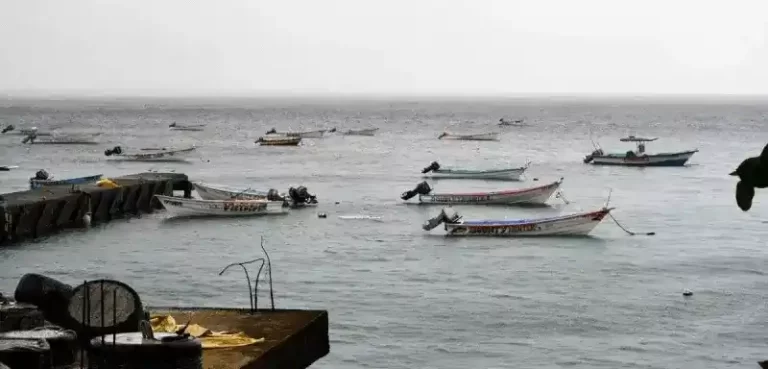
639, 157
42, 179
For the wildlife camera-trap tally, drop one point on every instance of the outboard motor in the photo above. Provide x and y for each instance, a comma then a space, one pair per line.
447, 215
271, 131
421, 189
591, 156
442, 135
8, 128
631, 154
117, 150
300, 195
42, 175
172, 125
431, 167
30, 138
273, 195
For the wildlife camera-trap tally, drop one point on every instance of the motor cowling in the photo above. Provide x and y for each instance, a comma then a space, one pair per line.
42, 175
117, 150
29, 138
447, 215
431, 167
300, 195
271, 131
420, 189
8, 128
274, 195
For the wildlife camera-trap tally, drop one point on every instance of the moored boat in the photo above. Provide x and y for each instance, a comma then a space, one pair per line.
193, 127
23, 131
181, 207
490, 136
578, 224
639, 157
512, 122
306, 134
532, 195
33, 140
151, 154
274, 140
43, 179
295, 198
510, 174
361, 132
6, 168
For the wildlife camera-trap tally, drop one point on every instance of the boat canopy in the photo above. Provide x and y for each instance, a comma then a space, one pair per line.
637, 139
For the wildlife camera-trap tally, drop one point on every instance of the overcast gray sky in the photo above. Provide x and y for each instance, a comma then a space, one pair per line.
447, 47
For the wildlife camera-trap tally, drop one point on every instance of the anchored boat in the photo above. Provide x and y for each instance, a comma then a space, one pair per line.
638, 157
533, 195
181, 207
578, 224
510, 174
512, 122
491, 136
23, 131
194, 127
361, 132
151, 154
272, 140
43, 179
32, 140
306, 134
295, 198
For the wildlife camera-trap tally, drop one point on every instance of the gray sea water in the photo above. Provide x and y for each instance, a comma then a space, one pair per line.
399, 297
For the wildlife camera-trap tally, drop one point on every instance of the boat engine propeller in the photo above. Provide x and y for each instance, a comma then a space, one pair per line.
420, 189
431, 167
8, 128
300, 196
447, 215
42, 175
117, 150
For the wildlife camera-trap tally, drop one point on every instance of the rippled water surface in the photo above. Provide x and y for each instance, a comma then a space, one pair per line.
400, 297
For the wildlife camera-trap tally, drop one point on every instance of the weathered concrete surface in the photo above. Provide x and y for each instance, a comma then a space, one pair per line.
294, 339
41, 212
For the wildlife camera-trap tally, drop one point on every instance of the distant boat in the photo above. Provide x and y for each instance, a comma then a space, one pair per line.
42, 179
5, 168
306, 134
638, 157
24, 131
531, 195
491, 136
151, 154
512, 122
274, 140
194, 127
361, 132
32, 140
511, 174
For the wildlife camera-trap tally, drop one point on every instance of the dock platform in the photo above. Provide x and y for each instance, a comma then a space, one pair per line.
41, 212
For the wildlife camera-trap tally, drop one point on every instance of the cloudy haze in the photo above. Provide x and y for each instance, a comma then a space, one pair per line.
384, 47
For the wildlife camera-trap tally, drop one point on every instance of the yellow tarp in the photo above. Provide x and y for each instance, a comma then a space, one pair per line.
207, 337
107, 183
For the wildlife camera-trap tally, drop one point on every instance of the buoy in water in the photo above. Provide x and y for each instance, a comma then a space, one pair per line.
687, 293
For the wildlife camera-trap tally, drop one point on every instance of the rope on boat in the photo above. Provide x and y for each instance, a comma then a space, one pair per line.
608, 201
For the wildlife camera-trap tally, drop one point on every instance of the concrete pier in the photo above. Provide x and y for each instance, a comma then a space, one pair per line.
42, 212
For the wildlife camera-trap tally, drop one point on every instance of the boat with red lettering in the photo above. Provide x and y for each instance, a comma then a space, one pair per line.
578, 224
532, 195
181, 207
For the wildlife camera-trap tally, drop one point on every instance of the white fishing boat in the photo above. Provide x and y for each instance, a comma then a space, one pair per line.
6, 168
11, 129
43, 179
360, 132
532, 195
193, 127
295, 198
639, 157
33, 139
181, 207
151, 154
306, 134
509, 174
490, 136
578, 224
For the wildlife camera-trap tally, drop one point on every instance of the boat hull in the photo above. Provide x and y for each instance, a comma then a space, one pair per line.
39, 183
157, 156
477, 137
181, 207
533, 195
212, 193
569, 225
361, 132
278, 141
188, 129
654, 160
307, 134
512, 174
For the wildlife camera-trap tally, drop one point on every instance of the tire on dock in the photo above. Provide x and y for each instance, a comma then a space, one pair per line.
103, 307
49, 295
